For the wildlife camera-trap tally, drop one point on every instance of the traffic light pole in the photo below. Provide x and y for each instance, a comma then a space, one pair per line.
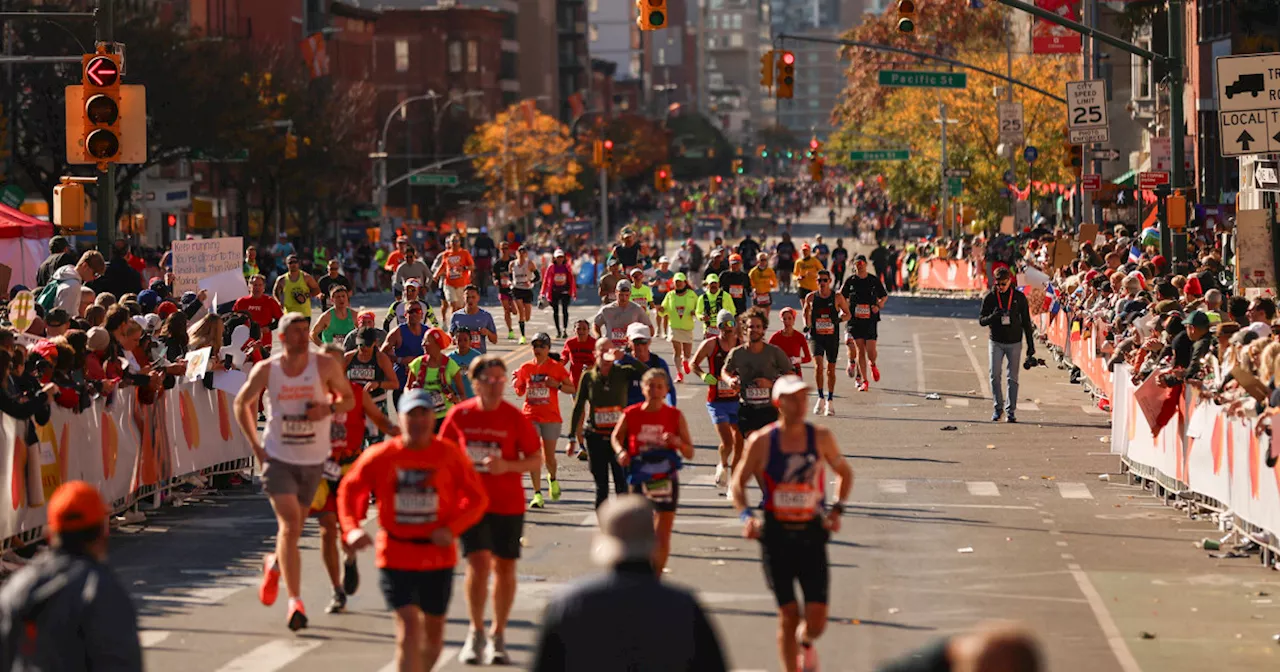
604, 202
106, 204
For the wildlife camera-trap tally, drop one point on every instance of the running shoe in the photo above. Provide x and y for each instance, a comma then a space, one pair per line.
511, 335
536, 502
720, 474
807, 659
863, 386
686, 367
679, 376
523, 340
555, 491
829, 410
850, 370
1011, 419
350, 577
496, 652
270, 588
817, 406
297, 616
339, 602
875, 373
582, 455
472, 647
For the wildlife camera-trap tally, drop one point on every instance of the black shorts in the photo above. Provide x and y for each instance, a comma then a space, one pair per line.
796, 553
497, 533
525, 295
504, 294
428, 590
826, 346
862, 330
751, 418
663, 499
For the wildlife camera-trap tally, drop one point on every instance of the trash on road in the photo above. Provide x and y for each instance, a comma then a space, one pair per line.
1024, 478
718, 563
966, 549
1147, 635
893, 610
1048, 478
933, 396
991, 446
1104, 477
950, 428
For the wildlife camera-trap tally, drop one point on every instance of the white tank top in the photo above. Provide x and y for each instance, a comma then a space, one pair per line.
522, 274
290, 437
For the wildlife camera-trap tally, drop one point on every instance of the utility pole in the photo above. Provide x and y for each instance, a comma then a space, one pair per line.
944, 195
604, 201
104, 32
1008, 45
1096, 63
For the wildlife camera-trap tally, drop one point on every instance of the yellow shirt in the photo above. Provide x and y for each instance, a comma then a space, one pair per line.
763, 281
806, 272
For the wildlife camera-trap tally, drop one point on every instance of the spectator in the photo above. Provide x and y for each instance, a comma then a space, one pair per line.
60, 254
992, 647
1005, 313
87, 297
56, 323
119, 278
63, 289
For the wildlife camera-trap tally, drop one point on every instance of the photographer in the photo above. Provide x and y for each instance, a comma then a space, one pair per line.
1005, 313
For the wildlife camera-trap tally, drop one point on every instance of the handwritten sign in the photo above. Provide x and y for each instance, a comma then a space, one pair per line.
197, 260
198, 363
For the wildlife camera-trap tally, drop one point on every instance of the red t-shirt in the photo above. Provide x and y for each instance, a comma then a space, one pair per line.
796, 347
580, 353
540, 387
263, 310
503, 432
645, 428
455, 265
346, 430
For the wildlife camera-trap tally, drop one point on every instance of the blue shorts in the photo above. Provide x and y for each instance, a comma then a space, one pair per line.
723, 411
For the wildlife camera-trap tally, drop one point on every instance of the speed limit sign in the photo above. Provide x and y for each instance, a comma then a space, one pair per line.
1087, 111
1011, 129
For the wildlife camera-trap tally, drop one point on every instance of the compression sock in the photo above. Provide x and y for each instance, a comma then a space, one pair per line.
522, 328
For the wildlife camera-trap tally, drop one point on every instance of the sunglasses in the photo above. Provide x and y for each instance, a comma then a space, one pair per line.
824, 280
491, 380
640, 341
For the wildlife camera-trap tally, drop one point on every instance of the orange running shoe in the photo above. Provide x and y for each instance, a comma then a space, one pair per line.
270, 587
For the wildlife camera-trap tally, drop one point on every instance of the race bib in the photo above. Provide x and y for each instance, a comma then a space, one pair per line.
608, 417
795, 502
825, 326
726, 390
438, 401
332, 471
560, 278
504, 282
1004, 319
763, 299
416, 501
862, 311
454, 272
618, 336
361, 374
479, 450
477, 340
735, 292
758, 395
659, 490
296, 429
538, 395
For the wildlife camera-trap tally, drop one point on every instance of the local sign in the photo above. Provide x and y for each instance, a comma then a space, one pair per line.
1249, 104
919, 78
1090, 182
1087, 112
1151, 180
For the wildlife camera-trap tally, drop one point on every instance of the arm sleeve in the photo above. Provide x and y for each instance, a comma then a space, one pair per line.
580, 401
391, 316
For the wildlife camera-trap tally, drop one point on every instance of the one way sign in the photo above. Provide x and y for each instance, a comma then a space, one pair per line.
1266, 176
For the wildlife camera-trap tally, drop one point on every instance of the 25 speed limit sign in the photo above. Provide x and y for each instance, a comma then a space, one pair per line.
1010, 115
1087, 111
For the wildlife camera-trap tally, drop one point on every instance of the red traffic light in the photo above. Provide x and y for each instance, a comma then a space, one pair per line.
608, 144
171, 220
788, 57
101, 71
662, 174
719, 179
813, 144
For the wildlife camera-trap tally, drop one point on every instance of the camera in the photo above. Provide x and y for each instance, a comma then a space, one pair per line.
1032, 361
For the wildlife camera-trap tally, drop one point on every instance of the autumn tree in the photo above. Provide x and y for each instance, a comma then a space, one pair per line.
523, 151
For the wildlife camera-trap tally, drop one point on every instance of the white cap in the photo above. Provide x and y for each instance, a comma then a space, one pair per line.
558, 253
638, 330
664, 259
789, 385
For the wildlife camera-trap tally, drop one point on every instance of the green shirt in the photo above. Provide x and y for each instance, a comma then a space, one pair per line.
429, 380
337, 328
642, 295
709, 304
680, 308
597, 392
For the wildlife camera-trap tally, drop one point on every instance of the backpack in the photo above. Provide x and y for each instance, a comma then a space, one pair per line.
48, 295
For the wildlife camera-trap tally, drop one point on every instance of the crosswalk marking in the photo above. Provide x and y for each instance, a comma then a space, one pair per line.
448, 655
151, 638
224, 588
983, 489
272, 656
1028, 406
1074, 491
891, 487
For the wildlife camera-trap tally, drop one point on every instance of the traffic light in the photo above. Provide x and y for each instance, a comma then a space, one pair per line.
1075, 158
662, 178
737, 167
786, 79
651, 14
906, 16
815, 170
815, 149
170, 220
597, 153
68, 206
606, 154
766, 69
290, 146
715, 183
100, 122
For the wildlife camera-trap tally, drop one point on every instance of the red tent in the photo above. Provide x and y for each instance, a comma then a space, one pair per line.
24, 243
18, 224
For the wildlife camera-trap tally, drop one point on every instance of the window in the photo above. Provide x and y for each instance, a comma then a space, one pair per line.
714, 21
813, 103
737, 22
473, 56
1143, 85
402, 56
717, 4
455, 57
813, 89
593, 33
735, 40
593, 6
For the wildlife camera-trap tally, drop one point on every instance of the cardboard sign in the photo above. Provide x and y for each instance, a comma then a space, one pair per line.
1062, 252
22, 310
197, 260
198, 363
1006, 224
1088, 233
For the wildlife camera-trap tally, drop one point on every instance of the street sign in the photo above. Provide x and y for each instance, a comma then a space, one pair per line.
1105, 155
1162, 154
1088, 136
1087, 104
1090, 182
958, 172
1009, 177
1151, 180
433, 180
12, 195
918, 78
955, 186
880, 155
1011, 127
1266, 176
1031, 153
1249, 104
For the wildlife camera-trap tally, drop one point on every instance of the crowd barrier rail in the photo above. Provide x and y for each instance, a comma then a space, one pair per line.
952, 275
127, 449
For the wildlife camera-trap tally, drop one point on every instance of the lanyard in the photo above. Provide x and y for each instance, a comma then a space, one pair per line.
999, 305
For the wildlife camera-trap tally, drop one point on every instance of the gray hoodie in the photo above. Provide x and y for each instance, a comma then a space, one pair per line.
69, 284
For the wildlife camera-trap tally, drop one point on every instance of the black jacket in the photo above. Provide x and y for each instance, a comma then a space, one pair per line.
119, 279
1014, 305
627, 620
53, 263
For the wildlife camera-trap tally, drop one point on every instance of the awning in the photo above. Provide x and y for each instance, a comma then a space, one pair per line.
17, 224
1126, 180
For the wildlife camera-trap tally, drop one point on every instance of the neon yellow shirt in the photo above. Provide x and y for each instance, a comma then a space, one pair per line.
763, 281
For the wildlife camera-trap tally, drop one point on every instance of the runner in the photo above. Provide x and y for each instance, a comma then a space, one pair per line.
540, 382
502, 445
806, 272
560, 288
524, 277
502, 279
370, 369
785, 260
455, 269
346, 433
329, 280
792, 342
365, 318
678, 308
712, 302
663, 282
641, 292
612, 320
398, 313
823, 312
628, 251
303, 392
264, 310
335, 323
763, 282
788, 458
404, 345
651, 442
428, 494
866, 296
478, 322
737, 283
601, 396
462, 355
436, 373
751, 368
638, 340
295, 288
578, 355
839, 262
722, 398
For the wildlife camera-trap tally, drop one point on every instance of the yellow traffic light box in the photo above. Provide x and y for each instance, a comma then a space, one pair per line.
786, 79
106, 122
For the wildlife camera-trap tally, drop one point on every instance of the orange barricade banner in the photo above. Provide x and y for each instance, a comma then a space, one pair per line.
956, 275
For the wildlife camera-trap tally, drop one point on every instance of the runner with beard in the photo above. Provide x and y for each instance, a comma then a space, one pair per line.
722, 396
866, 296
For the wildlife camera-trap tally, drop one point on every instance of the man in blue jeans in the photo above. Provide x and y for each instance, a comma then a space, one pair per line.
1005, 313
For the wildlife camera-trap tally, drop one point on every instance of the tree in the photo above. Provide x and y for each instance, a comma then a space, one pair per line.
524, 152
639, 144
698, 148
778, 138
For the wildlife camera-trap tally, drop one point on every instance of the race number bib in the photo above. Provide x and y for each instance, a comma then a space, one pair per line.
332, 471
763, 299
795, 502
607, 417
758, 395
1005, 320
477, 340
659, 490
539, 395
726, 390
735, 292
296, 429
416, 501
560, 279
438, 401
478, 451
618, 336
825, 326
862, 311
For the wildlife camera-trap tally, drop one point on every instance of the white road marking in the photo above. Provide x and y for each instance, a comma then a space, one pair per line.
1060, 543
150, 638
956, 401
891, 487
1099, 608
589, 520
703, 480
1068, 556
983, 489
224, 588
919, 353
448, 655
1028, 406
937, 505
983, 383
273, 655
1074, 491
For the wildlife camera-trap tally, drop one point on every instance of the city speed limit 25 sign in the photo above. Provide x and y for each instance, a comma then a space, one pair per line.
1087, 112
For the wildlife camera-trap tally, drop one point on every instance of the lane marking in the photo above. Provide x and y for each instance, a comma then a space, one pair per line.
208, 595
1068, 556
956, 401
934, 505
983, 383
1060, 543
708, 480
919, 353
447, 655
1119, 648
1028, 406
151, 638
983, 489
1074, 491
892, 487
589, 520
271, 656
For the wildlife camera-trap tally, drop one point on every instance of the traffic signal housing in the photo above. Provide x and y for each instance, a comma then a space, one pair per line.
651, 14
662, 180
100, 120
737, 167
815, 170
786, 79
906, 16
606, 154
68, 206
715, 183
1075, 158
290, 146
766, 69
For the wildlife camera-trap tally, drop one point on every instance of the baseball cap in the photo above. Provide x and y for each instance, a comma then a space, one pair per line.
76, 506
724, 317
681, 277
441, 339
148, 300
787, 310
557, 253
289, 318
806, 247
637, 330
623, 286
626, 531
415, 399
664, 259
99, 339
541, 337
789, 385
366, 316
159, 287
637, 269
860, 259
735, 257
712, 277
413, 282
1197, 318
166, 308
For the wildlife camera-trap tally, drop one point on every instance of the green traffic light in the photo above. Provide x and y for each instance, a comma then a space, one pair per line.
790, 155
906, 26
764, 154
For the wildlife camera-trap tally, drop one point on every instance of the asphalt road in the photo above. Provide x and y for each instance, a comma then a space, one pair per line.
946, 528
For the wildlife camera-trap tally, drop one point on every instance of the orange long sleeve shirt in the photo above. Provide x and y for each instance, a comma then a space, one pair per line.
418, 491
